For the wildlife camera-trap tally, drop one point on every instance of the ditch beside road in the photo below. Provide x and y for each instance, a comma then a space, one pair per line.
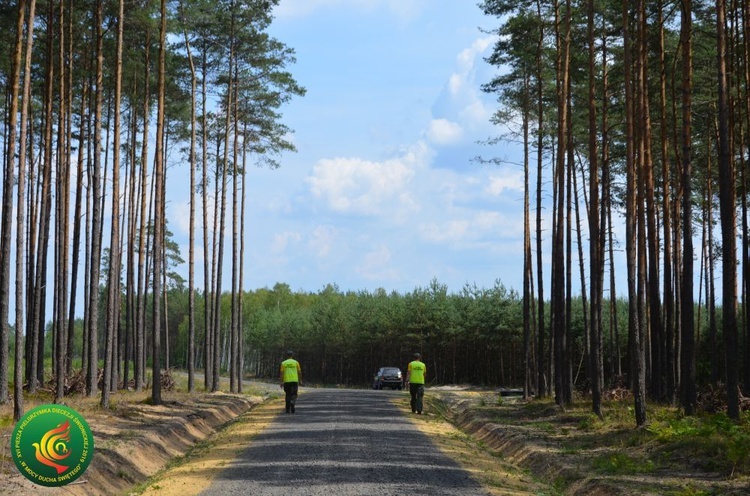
345, 441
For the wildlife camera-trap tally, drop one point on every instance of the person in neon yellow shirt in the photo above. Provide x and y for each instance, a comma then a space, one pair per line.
290, 374
415, 374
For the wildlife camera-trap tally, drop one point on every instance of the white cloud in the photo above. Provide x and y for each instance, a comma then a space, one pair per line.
506, 180
455, 83
179, 219
358, 186
376, 265
282, 240
471, 228
477, 112
450, 231
323, 240
444, 132
462, 101
467, 57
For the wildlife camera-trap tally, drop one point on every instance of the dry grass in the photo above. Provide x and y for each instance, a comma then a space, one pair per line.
133, 438
193, 473
485, 464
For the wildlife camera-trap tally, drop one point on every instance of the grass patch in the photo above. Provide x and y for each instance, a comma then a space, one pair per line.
712, 448
716, 440
622, 464
689, 491
6, 421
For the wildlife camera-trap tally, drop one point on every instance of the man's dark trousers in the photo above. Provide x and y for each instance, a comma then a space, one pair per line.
291, 388
417, 392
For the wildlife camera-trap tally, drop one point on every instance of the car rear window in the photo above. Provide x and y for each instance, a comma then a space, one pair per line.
391, 371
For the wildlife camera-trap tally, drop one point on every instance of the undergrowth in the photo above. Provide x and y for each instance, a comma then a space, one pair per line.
715, 438
711, 447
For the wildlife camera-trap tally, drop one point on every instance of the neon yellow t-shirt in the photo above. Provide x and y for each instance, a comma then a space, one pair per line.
290, 369
417, 371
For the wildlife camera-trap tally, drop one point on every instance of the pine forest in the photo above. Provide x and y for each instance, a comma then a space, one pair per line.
634, 121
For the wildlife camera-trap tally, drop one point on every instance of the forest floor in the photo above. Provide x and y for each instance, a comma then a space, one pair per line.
577, 453
141, 447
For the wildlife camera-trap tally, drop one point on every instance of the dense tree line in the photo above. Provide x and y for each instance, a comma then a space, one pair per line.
475, 335
634, 113
102, 103
342, 337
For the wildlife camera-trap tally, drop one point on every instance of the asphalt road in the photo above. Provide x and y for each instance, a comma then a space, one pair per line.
343, 442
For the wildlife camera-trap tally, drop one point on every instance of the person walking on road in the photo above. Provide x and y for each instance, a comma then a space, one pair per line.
290, 375
415, 374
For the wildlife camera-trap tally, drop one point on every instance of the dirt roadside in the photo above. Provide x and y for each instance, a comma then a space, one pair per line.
166, 449
566, 451
195, 472
133, 440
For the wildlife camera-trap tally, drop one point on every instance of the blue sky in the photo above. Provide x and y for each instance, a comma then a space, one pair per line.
382, 192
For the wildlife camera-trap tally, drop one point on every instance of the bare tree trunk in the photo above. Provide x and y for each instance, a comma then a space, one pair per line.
77, 216
630, 222
241, 351
527, 270
652, 281
62, 220
87, 241
165, 292
159, 216
20, 219
558, 254
130, 301
207, 283
46, 207
728, 222
142, 283
215, 289
191, 255
66, 61
113, 298
222, 213
235, 331
595, 244
687, 355
541, 382
667, 220
33, 209
641, 135
7, 214
93, 346
708, 242
744, 190
567, 366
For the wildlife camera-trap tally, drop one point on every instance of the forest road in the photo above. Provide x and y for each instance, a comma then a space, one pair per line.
343, 442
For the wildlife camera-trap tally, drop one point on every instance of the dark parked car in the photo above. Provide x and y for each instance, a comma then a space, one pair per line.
388, 377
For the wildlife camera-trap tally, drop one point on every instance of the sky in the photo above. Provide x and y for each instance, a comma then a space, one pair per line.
383, 191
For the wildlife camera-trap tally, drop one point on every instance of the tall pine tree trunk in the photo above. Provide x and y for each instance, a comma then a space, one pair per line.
113, 285
7, 210
728, 222
687, 352
595, 243
542, 384
142, 283
191, 249
159, 211
20, 219
95, 263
